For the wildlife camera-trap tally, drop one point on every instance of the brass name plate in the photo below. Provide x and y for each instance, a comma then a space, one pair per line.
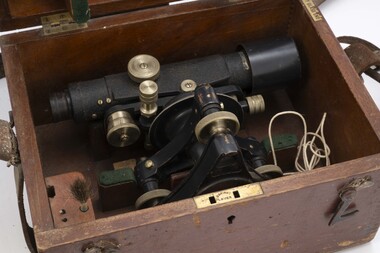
313, 10
59, 23
228, 195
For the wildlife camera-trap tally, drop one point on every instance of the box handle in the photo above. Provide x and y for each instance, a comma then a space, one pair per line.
27, 230
364, 56
2, 72
9, 153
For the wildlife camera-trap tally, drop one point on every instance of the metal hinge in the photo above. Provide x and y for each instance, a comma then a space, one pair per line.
60, 23
8, 143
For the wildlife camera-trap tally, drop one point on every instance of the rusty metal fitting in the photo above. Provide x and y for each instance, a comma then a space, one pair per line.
8, 144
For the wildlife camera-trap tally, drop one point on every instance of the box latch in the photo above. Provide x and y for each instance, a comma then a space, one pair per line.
60, 23
347, 196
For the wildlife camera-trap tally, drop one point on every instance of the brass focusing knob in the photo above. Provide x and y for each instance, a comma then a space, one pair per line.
256, 104
121, 129
148, 97
143, 67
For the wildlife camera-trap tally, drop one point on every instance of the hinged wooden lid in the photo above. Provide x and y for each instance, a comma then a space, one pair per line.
15, 14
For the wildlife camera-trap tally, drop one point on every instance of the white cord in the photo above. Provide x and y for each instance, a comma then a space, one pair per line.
306, 148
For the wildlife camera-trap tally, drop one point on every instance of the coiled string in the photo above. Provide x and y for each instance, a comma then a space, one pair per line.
306, 147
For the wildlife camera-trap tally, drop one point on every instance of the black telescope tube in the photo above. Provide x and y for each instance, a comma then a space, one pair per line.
255, 67
273, 63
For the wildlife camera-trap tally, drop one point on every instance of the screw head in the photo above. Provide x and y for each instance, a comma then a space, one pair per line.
100, 102
124, 137
108, 100
143, 65
188, 85
149, 164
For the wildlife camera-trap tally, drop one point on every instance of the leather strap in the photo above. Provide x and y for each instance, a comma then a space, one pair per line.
27, 230
364, 55
2, 72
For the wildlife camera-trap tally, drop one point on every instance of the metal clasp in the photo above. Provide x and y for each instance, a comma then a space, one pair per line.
347, 195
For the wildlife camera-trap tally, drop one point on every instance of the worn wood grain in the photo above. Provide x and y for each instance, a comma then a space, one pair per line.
332, 86
294, 210
28, 145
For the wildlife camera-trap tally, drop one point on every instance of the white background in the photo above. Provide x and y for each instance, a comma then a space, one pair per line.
358, 18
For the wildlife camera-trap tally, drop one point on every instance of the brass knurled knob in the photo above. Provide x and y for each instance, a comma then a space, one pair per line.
148, 97
143, 67
256, 104
121, 129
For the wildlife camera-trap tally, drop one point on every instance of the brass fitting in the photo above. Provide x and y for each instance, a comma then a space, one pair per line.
256, 104
218, 122
188, 85
143, 67
121, 129
148, 97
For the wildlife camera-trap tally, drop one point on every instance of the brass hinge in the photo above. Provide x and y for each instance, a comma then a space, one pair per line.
60, 23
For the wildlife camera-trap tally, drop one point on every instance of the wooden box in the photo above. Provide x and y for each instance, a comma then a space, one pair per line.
291, 215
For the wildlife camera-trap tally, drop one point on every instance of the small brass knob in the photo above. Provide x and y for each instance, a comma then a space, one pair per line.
121, 129
256, 104
148, 97
143, 67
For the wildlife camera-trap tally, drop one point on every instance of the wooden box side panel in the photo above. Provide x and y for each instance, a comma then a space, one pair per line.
291, 216
27, 141
333, 86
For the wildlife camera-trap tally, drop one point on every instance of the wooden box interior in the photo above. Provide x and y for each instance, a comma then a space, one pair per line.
42, 65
